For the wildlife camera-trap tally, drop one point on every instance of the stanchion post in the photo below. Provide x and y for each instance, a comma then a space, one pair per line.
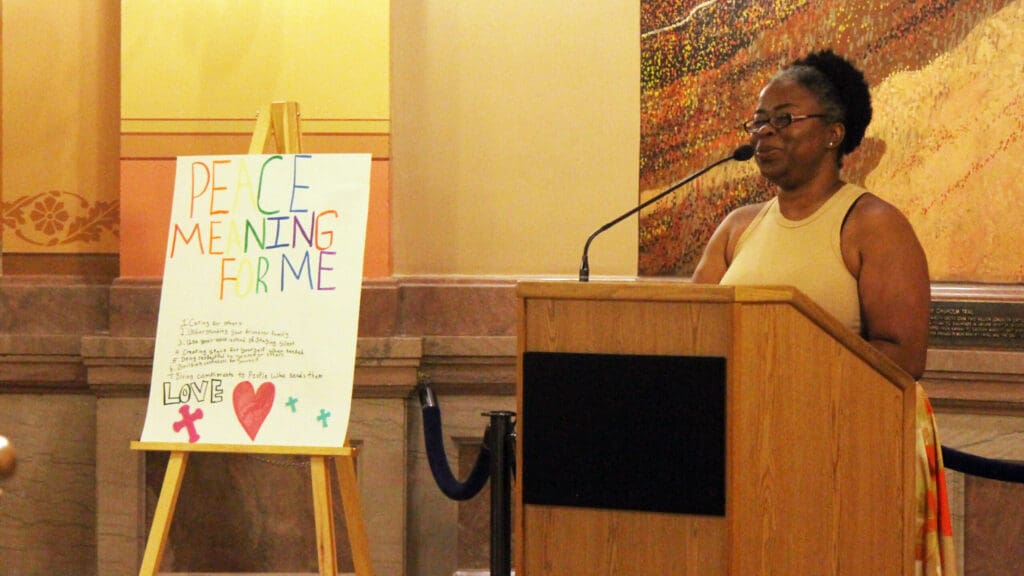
499, 440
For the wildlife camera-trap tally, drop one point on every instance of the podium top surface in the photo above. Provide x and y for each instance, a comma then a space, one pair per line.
665, 290
659, 289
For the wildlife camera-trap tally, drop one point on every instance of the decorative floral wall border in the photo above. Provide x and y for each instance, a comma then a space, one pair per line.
60, 218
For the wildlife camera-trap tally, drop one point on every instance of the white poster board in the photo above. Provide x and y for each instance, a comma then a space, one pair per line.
259, 310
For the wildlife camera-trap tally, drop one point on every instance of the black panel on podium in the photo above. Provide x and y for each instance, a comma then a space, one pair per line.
628, 432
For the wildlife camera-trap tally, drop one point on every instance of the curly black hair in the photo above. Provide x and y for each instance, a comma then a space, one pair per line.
840, 87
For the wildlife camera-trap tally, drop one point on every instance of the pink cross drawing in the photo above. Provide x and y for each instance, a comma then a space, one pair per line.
188, 421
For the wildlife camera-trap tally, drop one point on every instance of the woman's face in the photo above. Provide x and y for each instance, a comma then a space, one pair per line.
793, 155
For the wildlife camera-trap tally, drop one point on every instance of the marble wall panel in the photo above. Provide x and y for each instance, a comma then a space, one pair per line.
51, 307
48, 504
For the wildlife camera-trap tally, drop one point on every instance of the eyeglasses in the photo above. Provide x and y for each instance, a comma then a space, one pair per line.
779, 121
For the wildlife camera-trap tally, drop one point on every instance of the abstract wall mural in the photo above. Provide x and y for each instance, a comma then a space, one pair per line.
945, 145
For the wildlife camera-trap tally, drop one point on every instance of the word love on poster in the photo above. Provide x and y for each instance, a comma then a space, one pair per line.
259, 309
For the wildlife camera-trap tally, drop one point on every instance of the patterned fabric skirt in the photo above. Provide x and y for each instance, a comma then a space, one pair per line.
934, 550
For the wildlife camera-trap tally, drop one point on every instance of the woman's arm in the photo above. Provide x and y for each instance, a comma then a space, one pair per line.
713, 264
895, 290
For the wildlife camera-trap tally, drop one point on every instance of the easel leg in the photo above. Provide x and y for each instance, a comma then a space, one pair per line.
349, 488
164, 513
324, 514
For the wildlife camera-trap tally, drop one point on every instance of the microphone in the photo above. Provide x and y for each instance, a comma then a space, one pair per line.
741, 154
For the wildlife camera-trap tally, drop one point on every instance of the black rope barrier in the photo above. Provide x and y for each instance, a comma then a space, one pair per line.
1002, 470
434, 439
496, 462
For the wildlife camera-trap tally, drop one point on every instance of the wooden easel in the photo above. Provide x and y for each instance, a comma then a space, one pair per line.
279, 120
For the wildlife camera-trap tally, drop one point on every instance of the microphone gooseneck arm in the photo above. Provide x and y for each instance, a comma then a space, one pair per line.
744, 152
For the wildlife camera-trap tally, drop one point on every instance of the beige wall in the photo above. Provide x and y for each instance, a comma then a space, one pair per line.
188, 62
60, 106
194, 73
515, 134
515, 126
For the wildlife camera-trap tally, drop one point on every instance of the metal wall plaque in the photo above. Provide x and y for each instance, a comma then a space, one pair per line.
965, 324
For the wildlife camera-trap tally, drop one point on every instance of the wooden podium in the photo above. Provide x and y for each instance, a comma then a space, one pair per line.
671, 428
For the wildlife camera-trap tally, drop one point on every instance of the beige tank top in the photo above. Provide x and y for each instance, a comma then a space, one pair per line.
804, 253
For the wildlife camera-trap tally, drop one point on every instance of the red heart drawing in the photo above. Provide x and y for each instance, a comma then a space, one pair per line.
252, 406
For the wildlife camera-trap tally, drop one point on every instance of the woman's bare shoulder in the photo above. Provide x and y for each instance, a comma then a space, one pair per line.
718, 252
873, 215
741, 217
